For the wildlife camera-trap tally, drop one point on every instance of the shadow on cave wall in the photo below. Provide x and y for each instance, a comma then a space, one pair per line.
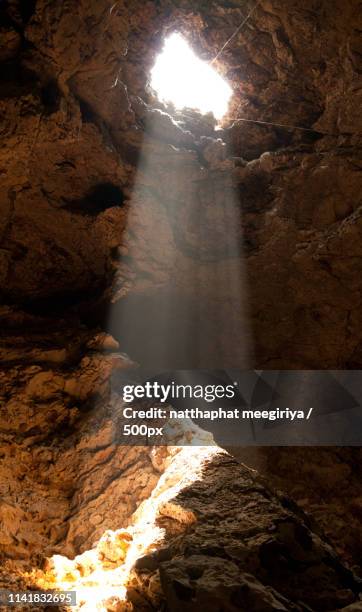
277, 550
98, 199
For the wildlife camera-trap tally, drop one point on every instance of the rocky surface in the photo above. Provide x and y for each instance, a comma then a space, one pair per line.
64, 478
78, 117
190, 551
183, 547
270, 559
326, 484
69, 489
109, 197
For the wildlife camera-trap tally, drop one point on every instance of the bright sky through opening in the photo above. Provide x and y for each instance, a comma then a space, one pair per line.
180, 77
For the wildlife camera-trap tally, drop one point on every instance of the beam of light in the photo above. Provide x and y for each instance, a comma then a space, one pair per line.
180, 77
188, 303
182, 299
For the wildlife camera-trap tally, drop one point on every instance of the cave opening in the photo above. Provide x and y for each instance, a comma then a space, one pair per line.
180, 77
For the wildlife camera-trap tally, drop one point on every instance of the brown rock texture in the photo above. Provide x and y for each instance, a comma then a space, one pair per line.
186, 549
71, 493
113, 205
260, 542
64, 477
325, 482
78, 116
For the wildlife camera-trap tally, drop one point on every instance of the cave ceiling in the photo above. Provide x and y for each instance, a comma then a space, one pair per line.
77, 113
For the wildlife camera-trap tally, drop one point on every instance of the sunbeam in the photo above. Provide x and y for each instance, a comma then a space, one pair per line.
188, 307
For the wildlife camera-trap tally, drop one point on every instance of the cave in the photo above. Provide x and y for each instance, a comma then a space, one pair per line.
146, 232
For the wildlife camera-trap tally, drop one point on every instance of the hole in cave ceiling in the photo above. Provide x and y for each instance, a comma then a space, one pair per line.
181, 78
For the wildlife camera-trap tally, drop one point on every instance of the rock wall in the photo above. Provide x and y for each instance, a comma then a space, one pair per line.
79, 126
185, 549
75, 108
256, 554
65, 479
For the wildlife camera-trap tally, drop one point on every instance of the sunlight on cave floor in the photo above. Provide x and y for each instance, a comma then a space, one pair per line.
101, 576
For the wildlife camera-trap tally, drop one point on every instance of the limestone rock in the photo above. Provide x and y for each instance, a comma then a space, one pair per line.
210, 583
270, 557
110, 202
113, 545
81, 123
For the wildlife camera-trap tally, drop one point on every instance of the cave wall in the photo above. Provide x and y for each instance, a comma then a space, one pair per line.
65, 479
74, 123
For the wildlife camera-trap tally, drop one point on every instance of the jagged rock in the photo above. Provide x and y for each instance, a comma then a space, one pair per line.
114, 605
103, 342
208, 583
64, 570
10, 44
86, 563
109, 197
65, 216
113, 545
253, 554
